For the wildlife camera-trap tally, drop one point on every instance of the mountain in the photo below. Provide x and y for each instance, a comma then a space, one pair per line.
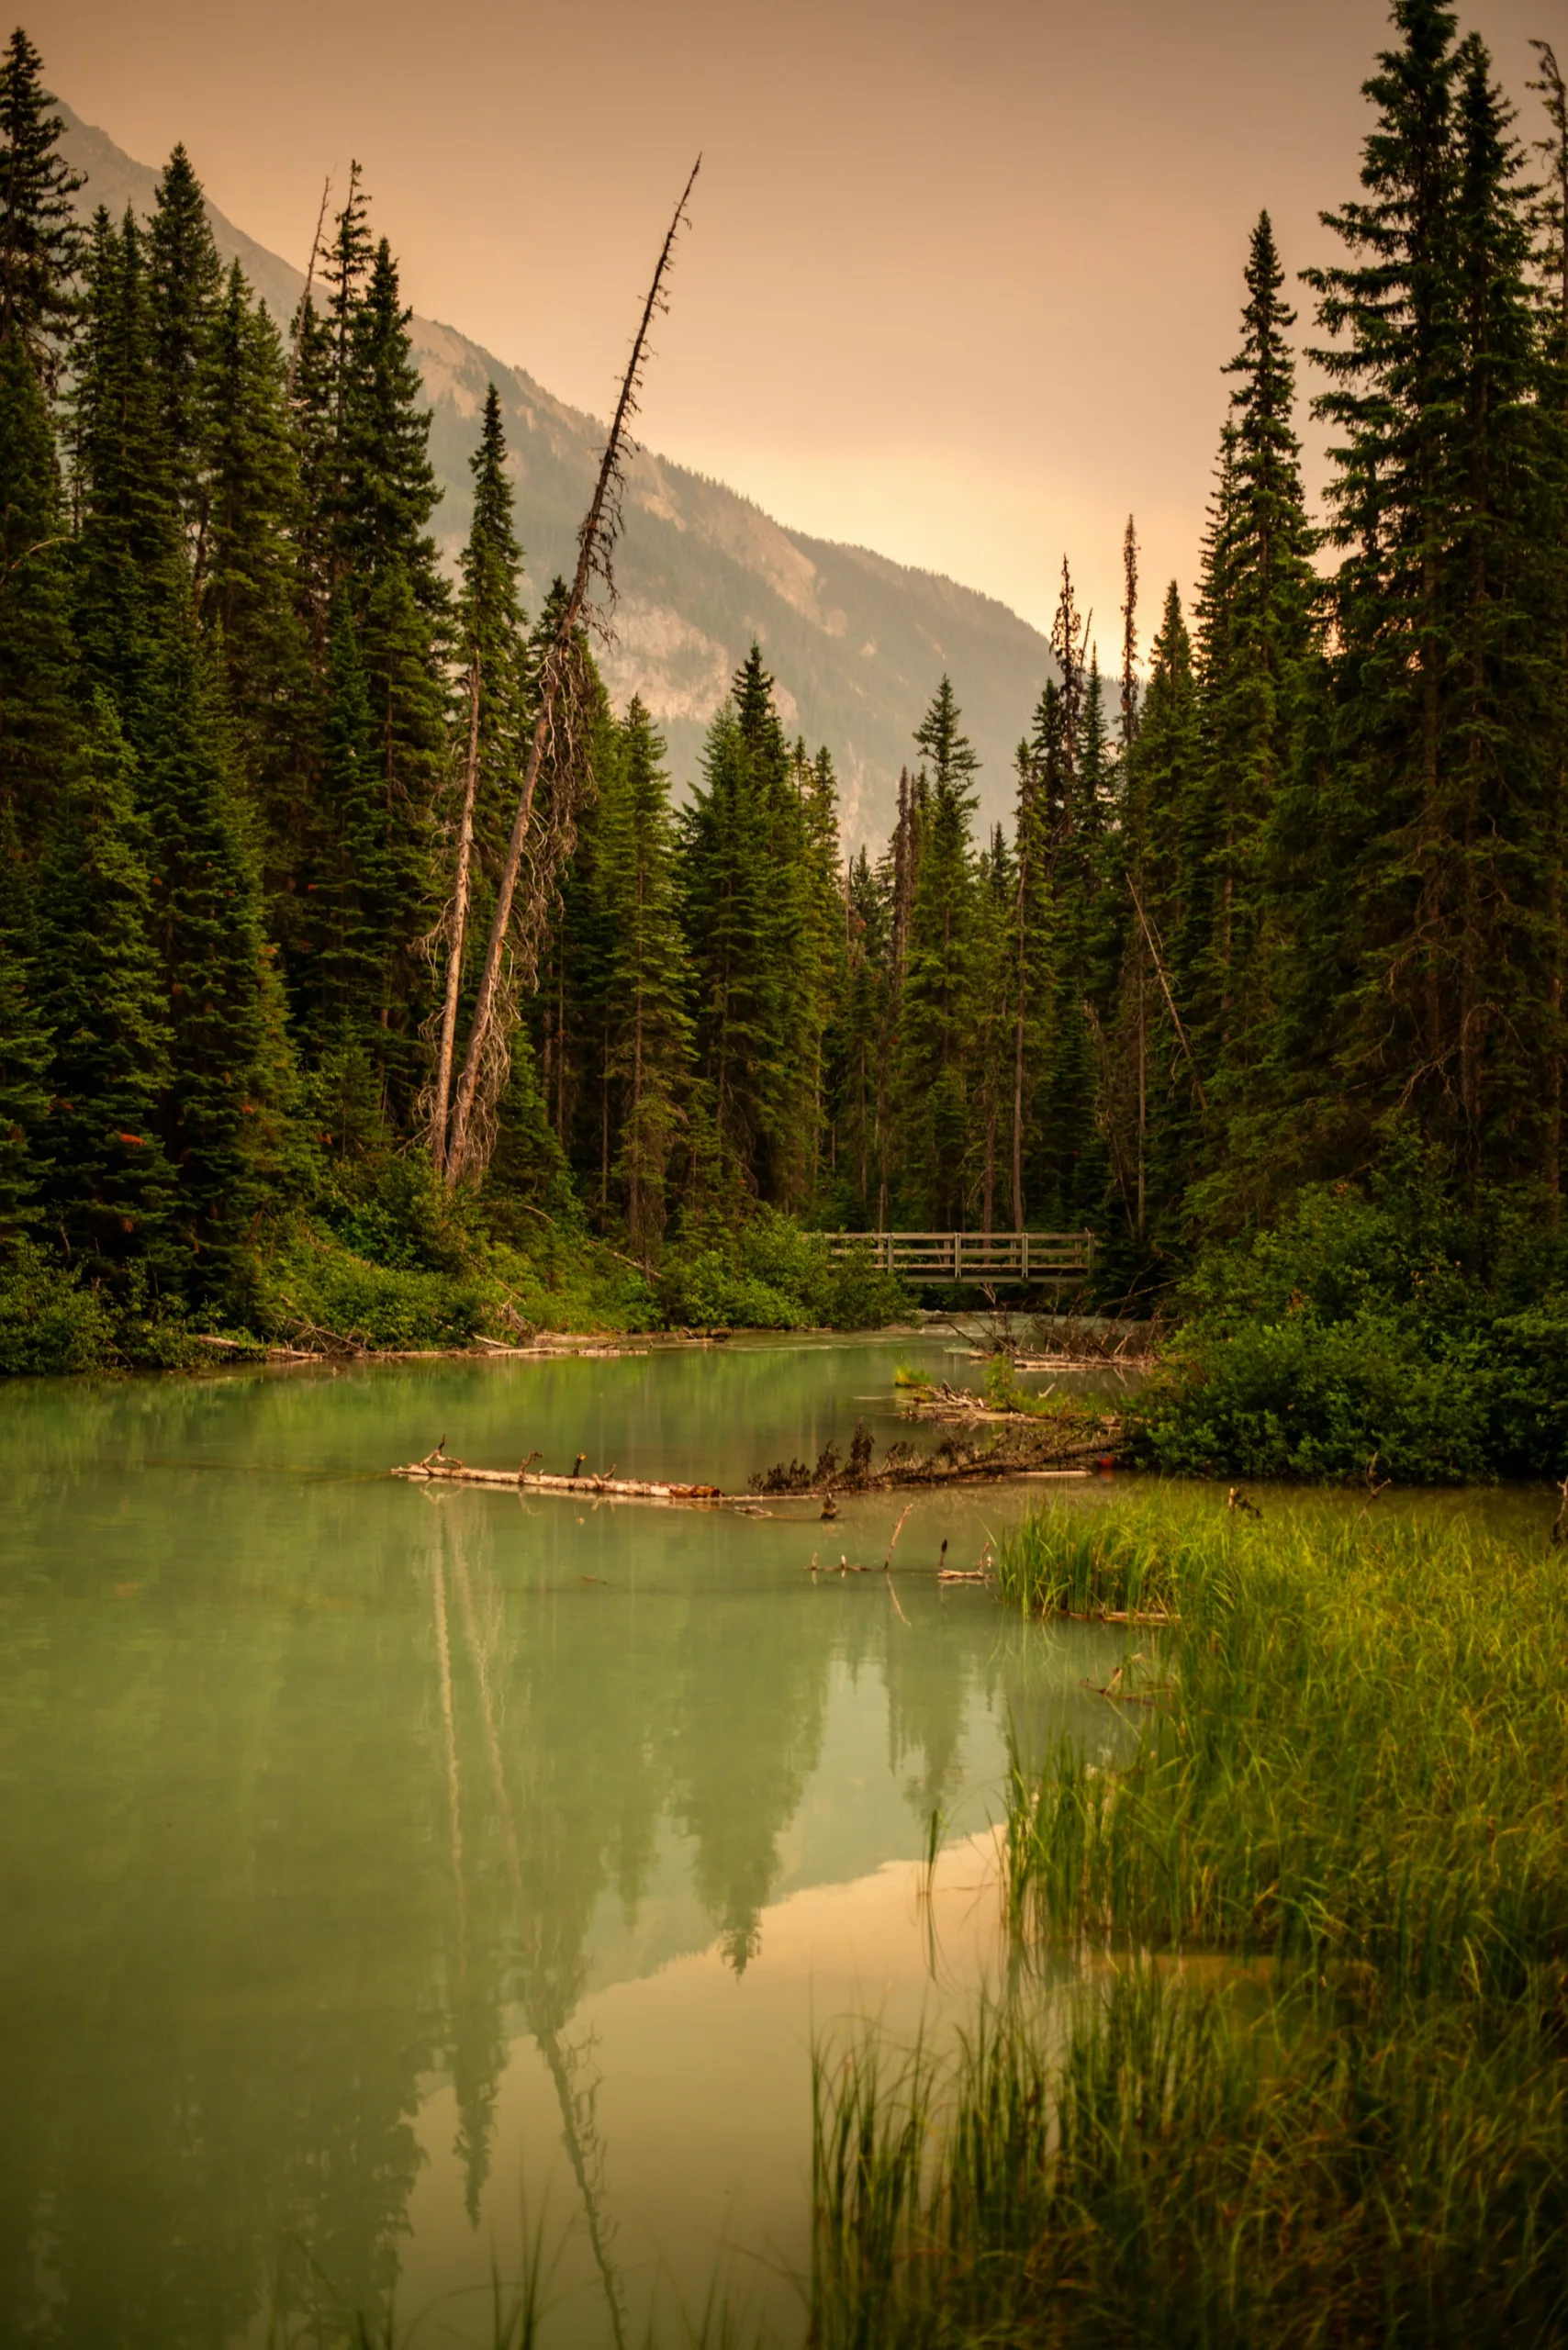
855, 641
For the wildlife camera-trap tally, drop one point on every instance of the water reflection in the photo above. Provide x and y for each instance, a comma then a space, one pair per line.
318, 1794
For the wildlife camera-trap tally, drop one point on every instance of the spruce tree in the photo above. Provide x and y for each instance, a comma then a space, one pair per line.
861, 1047
37, 658
41, 245
185, 281
937, 1009
489, 723
208, 928
649, 1032
387, 564
1154, 1091
725, 886
249, 587
1436, 767
129, 564
1551, 223
336, 938
106, 1189
1257, 611
24, 1048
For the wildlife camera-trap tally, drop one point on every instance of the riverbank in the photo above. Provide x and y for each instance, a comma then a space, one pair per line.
1282, 2056
432, 1279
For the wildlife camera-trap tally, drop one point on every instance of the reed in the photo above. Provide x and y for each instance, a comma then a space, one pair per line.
1152, 2170
1363, 1759
1356, 1777
1096, 1562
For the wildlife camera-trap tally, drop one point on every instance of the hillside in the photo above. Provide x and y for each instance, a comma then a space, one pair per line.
857, 643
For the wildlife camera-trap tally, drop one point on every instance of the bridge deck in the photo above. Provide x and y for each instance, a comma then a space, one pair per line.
984, 1257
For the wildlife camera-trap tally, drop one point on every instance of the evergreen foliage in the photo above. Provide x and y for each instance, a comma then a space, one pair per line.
1272, 914
40, 242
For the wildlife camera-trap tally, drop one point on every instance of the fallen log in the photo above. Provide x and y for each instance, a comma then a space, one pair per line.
528, 1480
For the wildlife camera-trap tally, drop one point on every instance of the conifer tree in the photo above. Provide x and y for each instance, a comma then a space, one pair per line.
822, 954
208, 929
1257, 630
1551, 226
24, 1048
726, 882
37, 660
106, 1189
249, 589
739, 863
649, 1038
862, 1043
185, 281
1436, 691
339, 945
992, 1050
41, 245
936, 1013
129, 558
1155, 1097
389, 565
490, 719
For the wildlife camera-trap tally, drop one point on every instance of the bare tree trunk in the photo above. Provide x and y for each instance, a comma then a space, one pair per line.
305, 298
594, 546
457, 930
990, 1200
1142, 1086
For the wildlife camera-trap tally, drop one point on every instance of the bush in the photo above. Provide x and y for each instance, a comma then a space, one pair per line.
49, 1320
1382, 1323
320, 1284
774, 1275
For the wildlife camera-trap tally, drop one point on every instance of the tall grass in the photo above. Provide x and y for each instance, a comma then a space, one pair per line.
1093, 1563
1357, 1775
1364, 1759
1162, 2173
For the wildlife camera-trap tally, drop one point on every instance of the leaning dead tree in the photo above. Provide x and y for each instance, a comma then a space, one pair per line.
459, 1139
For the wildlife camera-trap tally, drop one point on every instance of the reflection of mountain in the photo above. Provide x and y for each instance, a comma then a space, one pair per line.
318, 1793
858, 641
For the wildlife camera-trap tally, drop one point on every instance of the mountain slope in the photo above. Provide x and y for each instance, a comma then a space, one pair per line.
857, 643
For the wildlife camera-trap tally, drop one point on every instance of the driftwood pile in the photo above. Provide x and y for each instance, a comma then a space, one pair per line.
1026, 1448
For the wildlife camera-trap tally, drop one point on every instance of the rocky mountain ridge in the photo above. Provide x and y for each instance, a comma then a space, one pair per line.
856, 642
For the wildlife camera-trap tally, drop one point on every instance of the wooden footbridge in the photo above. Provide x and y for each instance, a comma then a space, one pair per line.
987, 1259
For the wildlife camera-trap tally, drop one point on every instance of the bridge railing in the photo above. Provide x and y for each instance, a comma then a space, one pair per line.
972, 1255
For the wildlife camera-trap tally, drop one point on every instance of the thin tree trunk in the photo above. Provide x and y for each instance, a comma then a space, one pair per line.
457, 931
595, 544
1142, 1085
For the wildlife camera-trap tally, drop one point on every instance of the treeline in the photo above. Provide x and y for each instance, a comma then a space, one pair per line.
1280, 906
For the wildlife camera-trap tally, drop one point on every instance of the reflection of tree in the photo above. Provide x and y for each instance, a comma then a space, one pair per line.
745, 1736
337, 1805
928, 1698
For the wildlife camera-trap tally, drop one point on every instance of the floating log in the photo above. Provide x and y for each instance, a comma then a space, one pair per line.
434, 1468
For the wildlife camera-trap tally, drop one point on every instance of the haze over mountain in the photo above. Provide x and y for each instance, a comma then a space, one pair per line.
857, 643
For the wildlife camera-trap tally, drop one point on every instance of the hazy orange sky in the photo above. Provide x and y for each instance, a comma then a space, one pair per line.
961, 278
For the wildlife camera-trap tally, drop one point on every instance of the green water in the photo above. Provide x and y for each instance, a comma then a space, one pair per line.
378, 1862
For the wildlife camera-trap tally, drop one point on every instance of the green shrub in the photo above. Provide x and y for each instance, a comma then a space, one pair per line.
49, 1320
709, 1290
773, 1275
317, 1284
1380, 1324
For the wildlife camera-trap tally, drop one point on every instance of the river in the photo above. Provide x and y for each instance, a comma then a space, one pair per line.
391, 1875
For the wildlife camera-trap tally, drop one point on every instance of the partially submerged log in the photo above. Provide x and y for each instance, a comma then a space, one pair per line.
436, 1469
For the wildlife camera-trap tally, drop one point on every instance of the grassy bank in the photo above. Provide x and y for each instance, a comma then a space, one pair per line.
400, 1267
1310, 2081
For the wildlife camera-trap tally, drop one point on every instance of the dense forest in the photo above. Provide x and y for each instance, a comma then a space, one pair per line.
1265, 983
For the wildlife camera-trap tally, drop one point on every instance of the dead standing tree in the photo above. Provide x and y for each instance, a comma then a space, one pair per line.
462, 1141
